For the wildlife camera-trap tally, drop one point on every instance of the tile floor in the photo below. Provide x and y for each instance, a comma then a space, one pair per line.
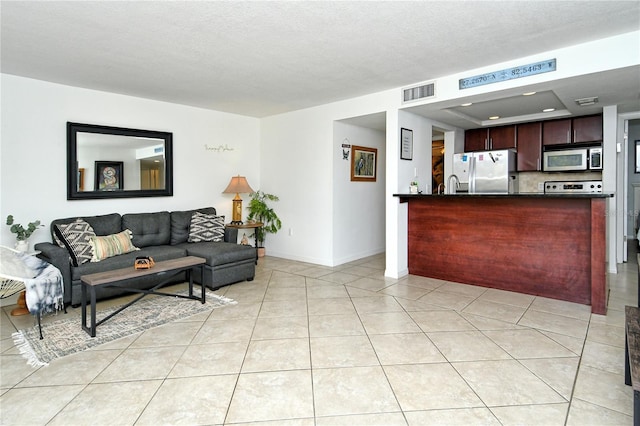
311, 345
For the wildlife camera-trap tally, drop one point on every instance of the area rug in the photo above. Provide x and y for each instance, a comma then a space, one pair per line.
66, 336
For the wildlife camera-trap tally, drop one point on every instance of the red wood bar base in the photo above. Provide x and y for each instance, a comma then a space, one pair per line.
545, 246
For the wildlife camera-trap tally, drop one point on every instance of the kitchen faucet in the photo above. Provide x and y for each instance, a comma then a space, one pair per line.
440, 187
452, 189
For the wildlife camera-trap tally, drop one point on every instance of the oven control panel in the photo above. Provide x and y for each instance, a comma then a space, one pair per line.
573, 187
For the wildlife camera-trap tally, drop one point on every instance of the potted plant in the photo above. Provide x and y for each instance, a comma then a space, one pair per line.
260, 211
22, 233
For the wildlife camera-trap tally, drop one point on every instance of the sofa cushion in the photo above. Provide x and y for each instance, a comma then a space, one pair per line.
111, 245
206, 227
159, 253
102, 225
180, 222
149, 229
220, 253
76, 237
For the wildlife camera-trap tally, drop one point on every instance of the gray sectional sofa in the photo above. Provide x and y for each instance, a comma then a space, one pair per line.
161, 235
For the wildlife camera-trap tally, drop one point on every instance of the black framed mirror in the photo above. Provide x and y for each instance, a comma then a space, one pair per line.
115, 162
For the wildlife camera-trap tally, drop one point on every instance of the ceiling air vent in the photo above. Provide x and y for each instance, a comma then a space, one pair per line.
587, 101
418, 92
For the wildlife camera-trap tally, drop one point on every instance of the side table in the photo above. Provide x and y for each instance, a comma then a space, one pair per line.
249, 225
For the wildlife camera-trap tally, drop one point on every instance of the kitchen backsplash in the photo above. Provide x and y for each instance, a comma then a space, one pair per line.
528, 181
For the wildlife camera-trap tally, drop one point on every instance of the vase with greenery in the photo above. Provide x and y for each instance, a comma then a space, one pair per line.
260, 211
22, 233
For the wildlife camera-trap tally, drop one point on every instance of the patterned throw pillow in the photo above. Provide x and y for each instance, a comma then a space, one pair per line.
75, 236
112, 245
206, 227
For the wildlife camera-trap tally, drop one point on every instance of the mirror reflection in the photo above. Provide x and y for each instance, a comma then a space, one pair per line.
108, 162
120, 162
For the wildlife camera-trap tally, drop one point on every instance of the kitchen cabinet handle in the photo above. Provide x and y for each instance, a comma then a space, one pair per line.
568, 136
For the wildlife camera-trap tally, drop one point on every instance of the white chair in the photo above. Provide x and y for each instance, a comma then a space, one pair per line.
12, 273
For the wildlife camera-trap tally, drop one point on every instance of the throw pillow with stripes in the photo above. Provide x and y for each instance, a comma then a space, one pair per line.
112, 245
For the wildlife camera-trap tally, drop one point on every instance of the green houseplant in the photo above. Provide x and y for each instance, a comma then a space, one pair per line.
22, 233
260, 211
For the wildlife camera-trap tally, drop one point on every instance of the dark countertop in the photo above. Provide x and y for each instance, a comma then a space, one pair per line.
520, 195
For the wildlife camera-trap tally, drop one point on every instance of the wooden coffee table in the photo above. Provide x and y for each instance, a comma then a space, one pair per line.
118, 278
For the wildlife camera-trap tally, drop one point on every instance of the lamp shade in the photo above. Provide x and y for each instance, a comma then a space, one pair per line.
238, 185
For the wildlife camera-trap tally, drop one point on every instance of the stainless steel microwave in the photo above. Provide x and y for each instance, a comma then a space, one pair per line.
577, 159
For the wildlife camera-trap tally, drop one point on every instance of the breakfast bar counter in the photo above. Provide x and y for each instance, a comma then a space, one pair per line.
540, 244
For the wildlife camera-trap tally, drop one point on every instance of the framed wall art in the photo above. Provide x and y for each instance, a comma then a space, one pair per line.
109, 176
406, 144
363, 163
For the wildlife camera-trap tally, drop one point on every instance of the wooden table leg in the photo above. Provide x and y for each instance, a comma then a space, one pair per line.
22, 305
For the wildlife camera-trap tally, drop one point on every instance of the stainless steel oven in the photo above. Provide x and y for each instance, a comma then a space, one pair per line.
573, 187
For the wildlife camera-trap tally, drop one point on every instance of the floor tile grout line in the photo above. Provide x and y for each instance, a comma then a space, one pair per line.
384, 372
246, 351
311, 367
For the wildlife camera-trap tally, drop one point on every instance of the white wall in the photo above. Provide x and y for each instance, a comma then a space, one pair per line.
420, 164
33, 160
297, 156
612, 172
359, 213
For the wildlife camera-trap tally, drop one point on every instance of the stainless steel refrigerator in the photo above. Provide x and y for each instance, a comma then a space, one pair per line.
487, 172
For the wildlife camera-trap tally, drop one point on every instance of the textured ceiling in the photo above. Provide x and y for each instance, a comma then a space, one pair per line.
264, 58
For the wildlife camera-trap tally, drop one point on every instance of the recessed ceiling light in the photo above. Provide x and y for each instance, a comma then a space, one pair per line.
467, 104
548, 109
494, 117
528, 93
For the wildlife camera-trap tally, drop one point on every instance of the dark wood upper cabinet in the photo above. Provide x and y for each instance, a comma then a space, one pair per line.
556, 132
587, 129
529, 146
475, 140
503, 137
483, 139
577, 130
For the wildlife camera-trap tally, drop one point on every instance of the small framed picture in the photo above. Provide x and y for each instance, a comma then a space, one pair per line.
109, 176
406, 144
363, 163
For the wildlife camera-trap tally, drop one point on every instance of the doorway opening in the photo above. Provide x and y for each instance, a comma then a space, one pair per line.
437, 159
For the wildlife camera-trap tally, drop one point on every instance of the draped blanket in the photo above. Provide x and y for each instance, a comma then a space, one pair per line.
43, 281
45, 291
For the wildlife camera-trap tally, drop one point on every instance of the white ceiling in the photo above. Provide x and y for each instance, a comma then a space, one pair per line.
268, 57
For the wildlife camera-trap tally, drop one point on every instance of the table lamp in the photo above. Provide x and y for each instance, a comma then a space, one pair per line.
237, 185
